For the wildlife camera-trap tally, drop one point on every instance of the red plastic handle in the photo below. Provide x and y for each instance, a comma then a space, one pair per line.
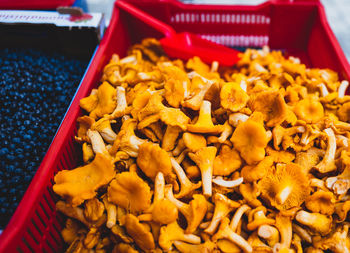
148, 19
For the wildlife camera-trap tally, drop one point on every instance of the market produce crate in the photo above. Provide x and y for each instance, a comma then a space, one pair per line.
299, 28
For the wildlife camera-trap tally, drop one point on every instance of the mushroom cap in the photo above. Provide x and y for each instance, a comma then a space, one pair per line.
207, 246
174, 92
142, 237
315, 221
82, 183
153, 106
129, 191
272, 105
250, 193
321, 202
280, 156
174, 117
164, 212
197, 65
337, 242
233, 97
93, 209
173, 232
152, 158
309, 110
342, 209
193, 141
250, 139
257, 218
85, 122
344, 112
226, 162
107, 100
252, 173
307, 160
176, 85
204, 157
89, 103
198, 207
124, 248
227, 246
285, 187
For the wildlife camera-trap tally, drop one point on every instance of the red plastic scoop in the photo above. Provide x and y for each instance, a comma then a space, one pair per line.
184, 45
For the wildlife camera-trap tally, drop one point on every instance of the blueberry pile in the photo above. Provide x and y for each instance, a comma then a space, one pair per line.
36, 88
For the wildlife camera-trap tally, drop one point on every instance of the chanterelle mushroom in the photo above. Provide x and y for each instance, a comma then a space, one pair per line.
225, 232
129, 191
272, 105
143, 238
317, 222
204, 158
285, 187
194, 212
338, 242
250, 139
309, 110
152, 159
82, 183
204, 123
270, 138
226, 162
106, 100
173, 232
232, 97
223, 206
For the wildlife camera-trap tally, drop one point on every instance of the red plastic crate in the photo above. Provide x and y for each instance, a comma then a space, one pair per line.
299, 28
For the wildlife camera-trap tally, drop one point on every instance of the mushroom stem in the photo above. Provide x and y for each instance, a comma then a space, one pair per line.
224, 232
323, 89
283, 195
318, 183
243, 85
223, 206
179, 148
186, 185
237, 217
327, 164
269, 233
182, 156
302, 233
121, 103
226, 132
214, 66
284, 225
236, 118
342, 141
159, 185
316, 221
111, 213
207, 181
170, 196
227, 184
342, 88
170, 136
97, 142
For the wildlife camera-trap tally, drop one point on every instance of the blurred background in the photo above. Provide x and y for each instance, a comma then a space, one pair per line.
338, 14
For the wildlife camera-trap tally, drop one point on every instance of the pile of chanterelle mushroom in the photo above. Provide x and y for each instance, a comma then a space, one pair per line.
186, 157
